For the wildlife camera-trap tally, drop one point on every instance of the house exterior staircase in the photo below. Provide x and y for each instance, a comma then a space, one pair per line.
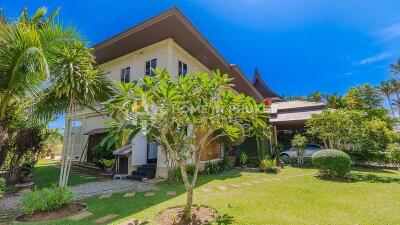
144, 172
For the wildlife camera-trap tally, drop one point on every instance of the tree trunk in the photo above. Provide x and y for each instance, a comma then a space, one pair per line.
390, 104
3, 154
187, 211
13, 172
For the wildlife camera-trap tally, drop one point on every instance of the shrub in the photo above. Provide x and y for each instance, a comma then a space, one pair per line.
393, 153
45, 200
107, 163
2, 185
243, 158
211, 167
26, 168
268, 164
332, 162
223, 165
176, 175
102, 152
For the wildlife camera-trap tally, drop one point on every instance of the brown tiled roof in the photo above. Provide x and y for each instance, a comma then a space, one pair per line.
263, 88
173, 24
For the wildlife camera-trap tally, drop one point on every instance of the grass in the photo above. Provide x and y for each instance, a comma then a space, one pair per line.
371, 197
47, 173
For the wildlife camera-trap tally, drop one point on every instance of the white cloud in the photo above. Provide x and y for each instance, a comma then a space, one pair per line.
389, 32
375, 58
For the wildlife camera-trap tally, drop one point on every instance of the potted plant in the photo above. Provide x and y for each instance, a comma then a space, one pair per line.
108, 165
26, 169
243, 159
269, 166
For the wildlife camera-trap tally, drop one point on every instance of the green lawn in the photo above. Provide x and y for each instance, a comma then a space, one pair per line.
373, 199
47, 173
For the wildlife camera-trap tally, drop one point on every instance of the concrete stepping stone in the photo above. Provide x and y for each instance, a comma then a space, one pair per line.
171, 193
149, 194
129, 194
267, 180
256, 182
207, 190
222, 188
105, 218
105, 195
276, 178
234, 185
132, 222
247, 184
80, 216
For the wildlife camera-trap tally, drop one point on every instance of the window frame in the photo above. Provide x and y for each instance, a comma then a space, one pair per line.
181, 68
150, 71
124, 76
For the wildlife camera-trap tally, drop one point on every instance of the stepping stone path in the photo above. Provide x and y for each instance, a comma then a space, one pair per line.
105, 218
129, 194
234, 185
80, 216
149, 194
207, 190
247, 184
105, 195
171, 193
222, 188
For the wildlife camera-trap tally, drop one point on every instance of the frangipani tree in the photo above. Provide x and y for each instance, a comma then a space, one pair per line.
184, 114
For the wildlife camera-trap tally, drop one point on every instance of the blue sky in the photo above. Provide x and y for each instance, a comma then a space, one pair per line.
299, 46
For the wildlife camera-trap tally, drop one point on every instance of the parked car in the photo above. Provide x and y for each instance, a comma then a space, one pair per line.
292, 152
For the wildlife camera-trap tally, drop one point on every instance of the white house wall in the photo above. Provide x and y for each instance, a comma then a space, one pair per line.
167, 53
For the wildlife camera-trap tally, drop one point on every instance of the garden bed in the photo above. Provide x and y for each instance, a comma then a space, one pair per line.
67, 210
174, 216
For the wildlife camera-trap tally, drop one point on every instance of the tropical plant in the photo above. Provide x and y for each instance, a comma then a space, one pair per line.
211, 167
395, 67
26, 168
393, 153
186, 113
107, 163
315, 97
387, 90
334, 101
268, 164
47, 68
332, 162
46, 200
243, 158
299, 142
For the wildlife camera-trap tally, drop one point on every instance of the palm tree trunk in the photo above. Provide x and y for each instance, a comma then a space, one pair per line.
390, 104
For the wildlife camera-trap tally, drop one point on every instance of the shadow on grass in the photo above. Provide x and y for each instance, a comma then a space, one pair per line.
371, 178
374, 170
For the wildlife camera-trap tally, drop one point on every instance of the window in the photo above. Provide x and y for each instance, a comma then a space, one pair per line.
150, 66
125, 74
182, 68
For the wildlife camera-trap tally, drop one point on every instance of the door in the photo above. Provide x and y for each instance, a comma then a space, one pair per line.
123, 165
94, 140
152, 152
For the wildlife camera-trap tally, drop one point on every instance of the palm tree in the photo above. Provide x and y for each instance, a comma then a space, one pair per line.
396, 90
315, 97
387, 90
334, 101
47, 66
395, 68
